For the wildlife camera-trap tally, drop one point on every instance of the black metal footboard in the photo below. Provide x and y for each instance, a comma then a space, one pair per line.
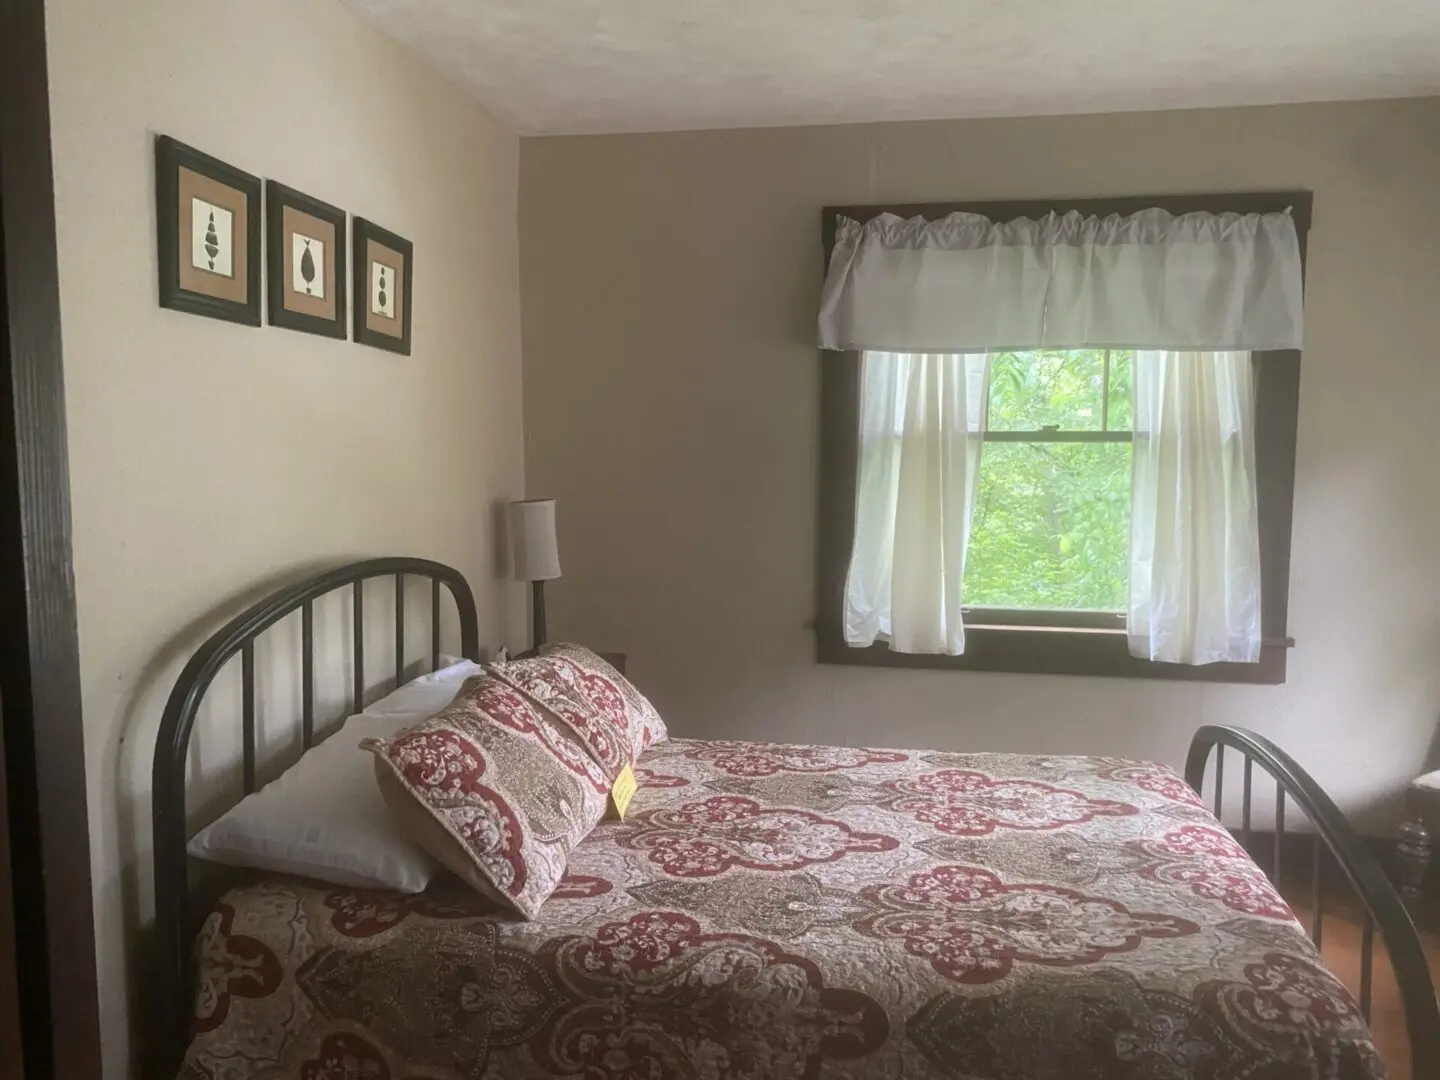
1383, 909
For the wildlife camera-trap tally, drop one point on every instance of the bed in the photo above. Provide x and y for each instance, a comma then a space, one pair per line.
770, 910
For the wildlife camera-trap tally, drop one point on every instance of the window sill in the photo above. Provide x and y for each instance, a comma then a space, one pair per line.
1032, 650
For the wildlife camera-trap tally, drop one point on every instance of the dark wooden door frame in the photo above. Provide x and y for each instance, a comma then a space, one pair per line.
39, 652
12, 1055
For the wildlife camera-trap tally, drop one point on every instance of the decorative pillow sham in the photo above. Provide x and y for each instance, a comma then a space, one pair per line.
610, 692
564, 691
494, 790
322, 818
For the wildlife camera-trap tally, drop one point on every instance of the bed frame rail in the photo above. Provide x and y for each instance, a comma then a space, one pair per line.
1383, 909
174, 928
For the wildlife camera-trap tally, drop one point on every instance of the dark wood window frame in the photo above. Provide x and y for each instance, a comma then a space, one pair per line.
1048, 642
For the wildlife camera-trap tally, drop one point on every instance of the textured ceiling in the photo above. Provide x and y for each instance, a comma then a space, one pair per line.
568, 66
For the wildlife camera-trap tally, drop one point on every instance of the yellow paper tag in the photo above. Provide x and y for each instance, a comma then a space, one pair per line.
622, 791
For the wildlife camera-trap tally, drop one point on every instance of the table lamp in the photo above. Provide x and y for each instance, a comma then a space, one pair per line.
535, 556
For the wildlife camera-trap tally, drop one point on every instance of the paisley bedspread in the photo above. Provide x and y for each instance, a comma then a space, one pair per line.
808, 912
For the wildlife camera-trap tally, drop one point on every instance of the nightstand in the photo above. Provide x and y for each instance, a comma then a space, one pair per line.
1415, 848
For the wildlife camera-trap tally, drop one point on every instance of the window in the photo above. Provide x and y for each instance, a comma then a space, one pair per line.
1051, 526
1046, 578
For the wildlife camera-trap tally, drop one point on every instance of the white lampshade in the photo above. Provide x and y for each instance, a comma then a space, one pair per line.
532, 540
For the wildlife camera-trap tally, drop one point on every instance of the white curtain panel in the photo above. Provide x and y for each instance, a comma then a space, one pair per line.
1194, 534
920, 442
1149, 280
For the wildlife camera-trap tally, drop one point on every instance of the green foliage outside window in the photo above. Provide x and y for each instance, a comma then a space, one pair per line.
1052, 519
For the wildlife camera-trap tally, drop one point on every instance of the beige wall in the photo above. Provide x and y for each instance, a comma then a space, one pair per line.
671, 384
206, 457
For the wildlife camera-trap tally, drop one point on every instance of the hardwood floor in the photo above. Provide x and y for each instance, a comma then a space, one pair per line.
1340, 945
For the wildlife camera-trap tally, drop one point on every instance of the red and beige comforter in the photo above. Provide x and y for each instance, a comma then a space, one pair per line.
808, 912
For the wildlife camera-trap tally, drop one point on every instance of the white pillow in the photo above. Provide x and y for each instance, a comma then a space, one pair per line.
428, 694
324, 818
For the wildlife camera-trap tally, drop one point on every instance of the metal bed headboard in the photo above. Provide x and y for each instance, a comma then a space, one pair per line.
173, 926
1383, 907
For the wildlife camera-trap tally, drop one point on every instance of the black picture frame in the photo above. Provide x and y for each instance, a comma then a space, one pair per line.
277, 198
362, 233
170, 156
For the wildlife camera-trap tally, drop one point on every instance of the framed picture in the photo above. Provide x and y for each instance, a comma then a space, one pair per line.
208, 229
384, 268
305, 262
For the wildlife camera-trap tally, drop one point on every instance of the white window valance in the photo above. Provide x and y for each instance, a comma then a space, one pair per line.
1151, 280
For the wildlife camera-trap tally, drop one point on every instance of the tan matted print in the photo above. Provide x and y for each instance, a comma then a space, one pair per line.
384, 290
309, 268
213, 253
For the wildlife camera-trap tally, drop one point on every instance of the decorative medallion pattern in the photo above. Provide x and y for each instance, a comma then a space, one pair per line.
778, 913
962, 802
767, 759
702, 839
973, 928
